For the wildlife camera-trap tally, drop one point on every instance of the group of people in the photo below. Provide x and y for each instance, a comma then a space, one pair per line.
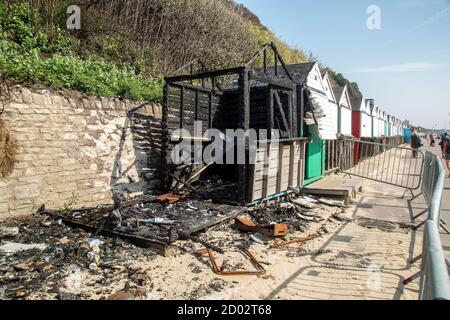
444, 143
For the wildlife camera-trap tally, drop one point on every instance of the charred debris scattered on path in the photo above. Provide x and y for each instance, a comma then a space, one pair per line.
41, 249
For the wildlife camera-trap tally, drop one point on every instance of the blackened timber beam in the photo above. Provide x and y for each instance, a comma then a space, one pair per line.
301, 112
263, 50
295, 132
270, 113
283, 116
193, 87
276, 62
244, 123
181, 107
265, 61
283, 64
278, 57
210, 103
203, 79
188, 65
206, 74
244, 99
213, 84
158, 245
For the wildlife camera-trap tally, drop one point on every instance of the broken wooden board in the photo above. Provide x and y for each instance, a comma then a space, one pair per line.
274, 230
159, 247
169, 198
215, 221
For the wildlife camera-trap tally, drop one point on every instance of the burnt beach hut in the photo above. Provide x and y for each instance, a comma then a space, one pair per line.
320, 115
243, 97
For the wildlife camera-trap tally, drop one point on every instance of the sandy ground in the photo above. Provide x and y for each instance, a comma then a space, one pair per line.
59, 272
365, 257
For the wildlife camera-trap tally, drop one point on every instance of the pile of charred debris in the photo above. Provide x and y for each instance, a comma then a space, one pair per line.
53, 244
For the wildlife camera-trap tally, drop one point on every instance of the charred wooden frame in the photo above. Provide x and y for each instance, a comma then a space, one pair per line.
258, 100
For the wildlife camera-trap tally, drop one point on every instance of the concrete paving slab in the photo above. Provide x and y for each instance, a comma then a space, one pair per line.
365, 259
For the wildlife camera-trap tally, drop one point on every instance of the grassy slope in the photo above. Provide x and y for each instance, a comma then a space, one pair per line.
114, 64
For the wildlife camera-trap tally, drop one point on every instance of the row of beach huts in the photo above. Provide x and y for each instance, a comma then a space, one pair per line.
315, 116
334, 114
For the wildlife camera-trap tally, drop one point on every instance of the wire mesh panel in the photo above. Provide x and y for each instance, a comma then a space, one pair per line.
398, 166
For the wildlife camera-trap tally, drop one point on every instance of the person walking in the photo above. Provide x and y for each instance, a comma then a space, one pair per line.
446, 154
444, 139
416, 143
432, 140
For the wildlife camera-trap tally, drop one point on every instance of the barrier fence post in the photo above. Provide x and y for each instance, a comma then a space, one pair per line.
434, 278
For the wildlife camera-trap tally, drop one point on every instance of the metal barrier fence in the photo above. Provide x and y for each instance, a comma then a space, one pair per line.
333, 148
398, 166
432, 189
434, 281
407, 168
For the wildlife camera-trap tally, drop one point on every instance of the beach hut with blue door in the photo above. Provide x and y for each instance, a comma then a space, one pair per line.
406, 132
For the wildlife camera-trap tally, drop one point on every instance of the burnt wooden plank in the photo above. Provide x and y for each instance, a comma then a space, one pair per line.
207, 74
160, 247
244, 123
181, 107
281, 111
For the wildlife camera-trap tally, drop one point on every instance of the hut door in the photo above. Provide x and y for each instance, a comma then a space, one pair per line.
314, 156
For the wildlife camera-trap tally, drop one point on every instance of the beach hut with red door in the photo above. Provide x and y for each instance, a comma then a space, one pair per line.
361, 120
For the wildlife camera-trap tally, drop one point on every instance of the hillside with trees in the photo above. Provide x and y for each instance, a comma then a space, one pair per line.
125, 47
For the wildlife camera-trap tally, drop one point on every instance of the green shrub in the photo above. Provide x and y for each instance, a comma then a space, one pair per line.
46, 57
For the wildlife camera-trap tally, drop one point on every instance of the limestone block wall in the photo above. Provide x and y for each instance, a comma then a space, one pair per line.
72, 146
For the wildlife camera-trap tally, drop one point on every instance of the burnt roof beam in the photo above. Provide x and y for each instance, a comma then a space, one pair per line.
278, 57
190, 66
206, 74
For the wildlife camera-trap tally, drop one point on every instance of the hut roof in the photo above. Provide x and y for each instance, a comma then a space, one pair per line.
357, 104
299, 72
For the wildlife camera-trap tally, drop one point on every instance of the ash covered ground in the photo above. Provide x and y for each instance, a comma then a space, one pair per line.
43, 258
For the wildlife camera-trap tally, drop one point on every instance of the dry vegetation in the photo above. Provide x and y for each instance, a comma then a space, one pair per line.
8, 144
161, 35
8, 150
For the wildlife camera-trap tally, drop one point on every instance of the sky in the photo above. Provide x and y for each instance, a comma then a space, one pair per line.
404, 65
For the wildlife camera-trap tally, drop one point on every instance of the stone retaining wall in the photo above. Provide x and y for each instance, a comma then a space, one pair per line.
72, 146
